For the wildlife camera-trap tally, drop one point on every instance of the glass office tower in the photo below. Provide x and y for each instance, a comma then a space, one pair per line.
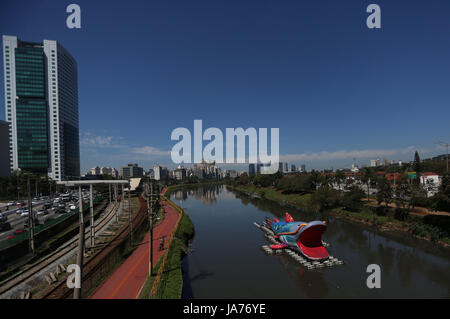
41, 99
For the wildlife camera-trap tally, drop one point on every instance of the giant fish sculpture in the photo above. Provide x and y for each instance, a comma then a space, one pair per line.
305, 237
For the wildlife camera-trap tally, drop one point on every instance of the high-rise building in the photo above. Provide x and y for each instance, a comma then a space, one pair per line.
251, 170
303, 168
41, 99
4, 150
131, 171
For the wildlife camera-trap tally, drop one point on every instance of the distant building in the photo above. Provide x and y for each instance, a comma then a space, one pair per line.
293, 168
251, 170
179, 173
280, 167
303, 168
132, 170
286, 167
95, 170
374, 163
5, 168
160, 172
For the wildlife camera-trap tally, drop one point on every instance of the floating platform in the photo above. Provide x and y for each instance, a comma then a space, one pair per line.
296, 255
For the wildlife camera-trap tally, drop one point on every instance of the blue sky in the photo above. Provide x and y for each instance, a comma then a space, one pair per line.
336, 89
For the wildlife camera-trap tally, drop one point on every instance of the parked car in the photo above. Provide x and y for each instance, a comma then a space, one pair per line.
11, 203
18, 231
60, 211
5, 226
19, 211
3, 218
24, 213
42, 211
47, 205
21, 204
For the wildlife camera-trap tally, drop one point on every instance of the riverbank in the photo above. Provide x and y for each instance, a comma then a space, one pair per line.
416, 226
168, 283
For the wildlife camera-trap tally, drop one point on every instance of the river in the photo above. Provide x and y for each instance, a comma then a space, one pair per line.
226, 260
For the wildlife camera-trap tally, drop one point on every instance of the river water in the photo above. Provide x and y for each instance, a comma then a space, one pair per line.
226, 260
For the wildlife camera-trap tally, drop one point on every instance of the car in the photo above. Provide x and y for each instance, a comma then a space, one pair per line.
11, 203
18, 231
42, 211
47, 205
5, 226
11, 236
21, 204
35, 202
3, 218
24, 213
72, 207
60, 211
62, 206
19, 211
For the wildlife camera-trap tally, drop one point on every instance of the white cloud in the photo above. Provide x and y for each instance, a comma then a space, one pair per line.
344, 154
149, 150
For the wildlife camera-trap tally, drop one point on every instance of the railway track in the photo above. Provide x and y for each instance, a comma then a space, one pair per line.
33, 270
60, 290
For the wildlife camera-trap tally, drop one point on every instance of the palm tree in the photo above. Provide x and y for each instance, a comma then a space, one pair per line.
366, 177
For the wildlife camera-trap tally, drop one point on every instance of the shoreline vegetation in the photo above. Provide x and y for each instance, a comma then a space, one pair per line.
171, 282
369, 213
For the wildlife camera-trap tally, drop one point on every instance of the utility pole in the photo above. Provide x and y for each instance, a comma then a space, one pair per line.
30, 219
151, 222
129, 215
110, 193
91, 206
77, 291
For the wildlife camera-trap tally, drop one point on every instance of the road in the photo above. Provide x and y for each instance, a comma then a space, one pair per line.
127, 281
17, 221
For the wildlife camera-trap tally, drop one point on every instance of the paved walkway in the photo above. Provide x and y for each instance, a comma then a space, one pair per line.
127, 280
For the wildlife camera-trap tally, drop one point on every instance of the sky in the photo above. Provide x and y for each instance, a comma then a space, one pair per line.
338, 91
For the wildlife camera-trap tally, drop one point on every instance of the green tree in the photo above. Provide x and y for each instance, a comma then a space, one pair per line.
385, 193
366, 178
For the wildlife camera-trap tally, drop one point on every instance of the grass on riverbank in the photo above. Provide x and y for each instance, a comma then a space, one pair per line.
171, 282
415, 225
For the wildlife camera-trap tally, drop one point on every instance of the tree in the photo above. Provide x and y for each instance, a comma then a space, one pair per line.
385, 193
352, 199
366, 177
325, 198
417, 166
339, 178
316, 179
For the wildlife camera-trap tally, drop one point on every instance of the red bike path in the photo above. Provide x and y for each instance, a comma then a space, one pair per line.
128, 279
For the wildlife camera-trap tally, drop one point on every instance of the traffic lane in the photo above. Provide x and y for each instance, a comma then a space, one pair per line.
17, 221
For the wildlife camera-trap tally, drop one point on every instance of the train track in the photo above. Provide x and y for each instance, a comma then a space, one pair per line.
28, 273
91, 265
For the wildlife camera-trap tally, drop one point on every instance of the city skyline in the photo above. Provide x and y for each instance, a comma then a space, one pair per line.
323, 87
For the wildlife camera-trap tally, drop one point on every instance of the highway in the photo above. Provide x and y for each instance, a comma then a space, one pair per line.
17, 221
